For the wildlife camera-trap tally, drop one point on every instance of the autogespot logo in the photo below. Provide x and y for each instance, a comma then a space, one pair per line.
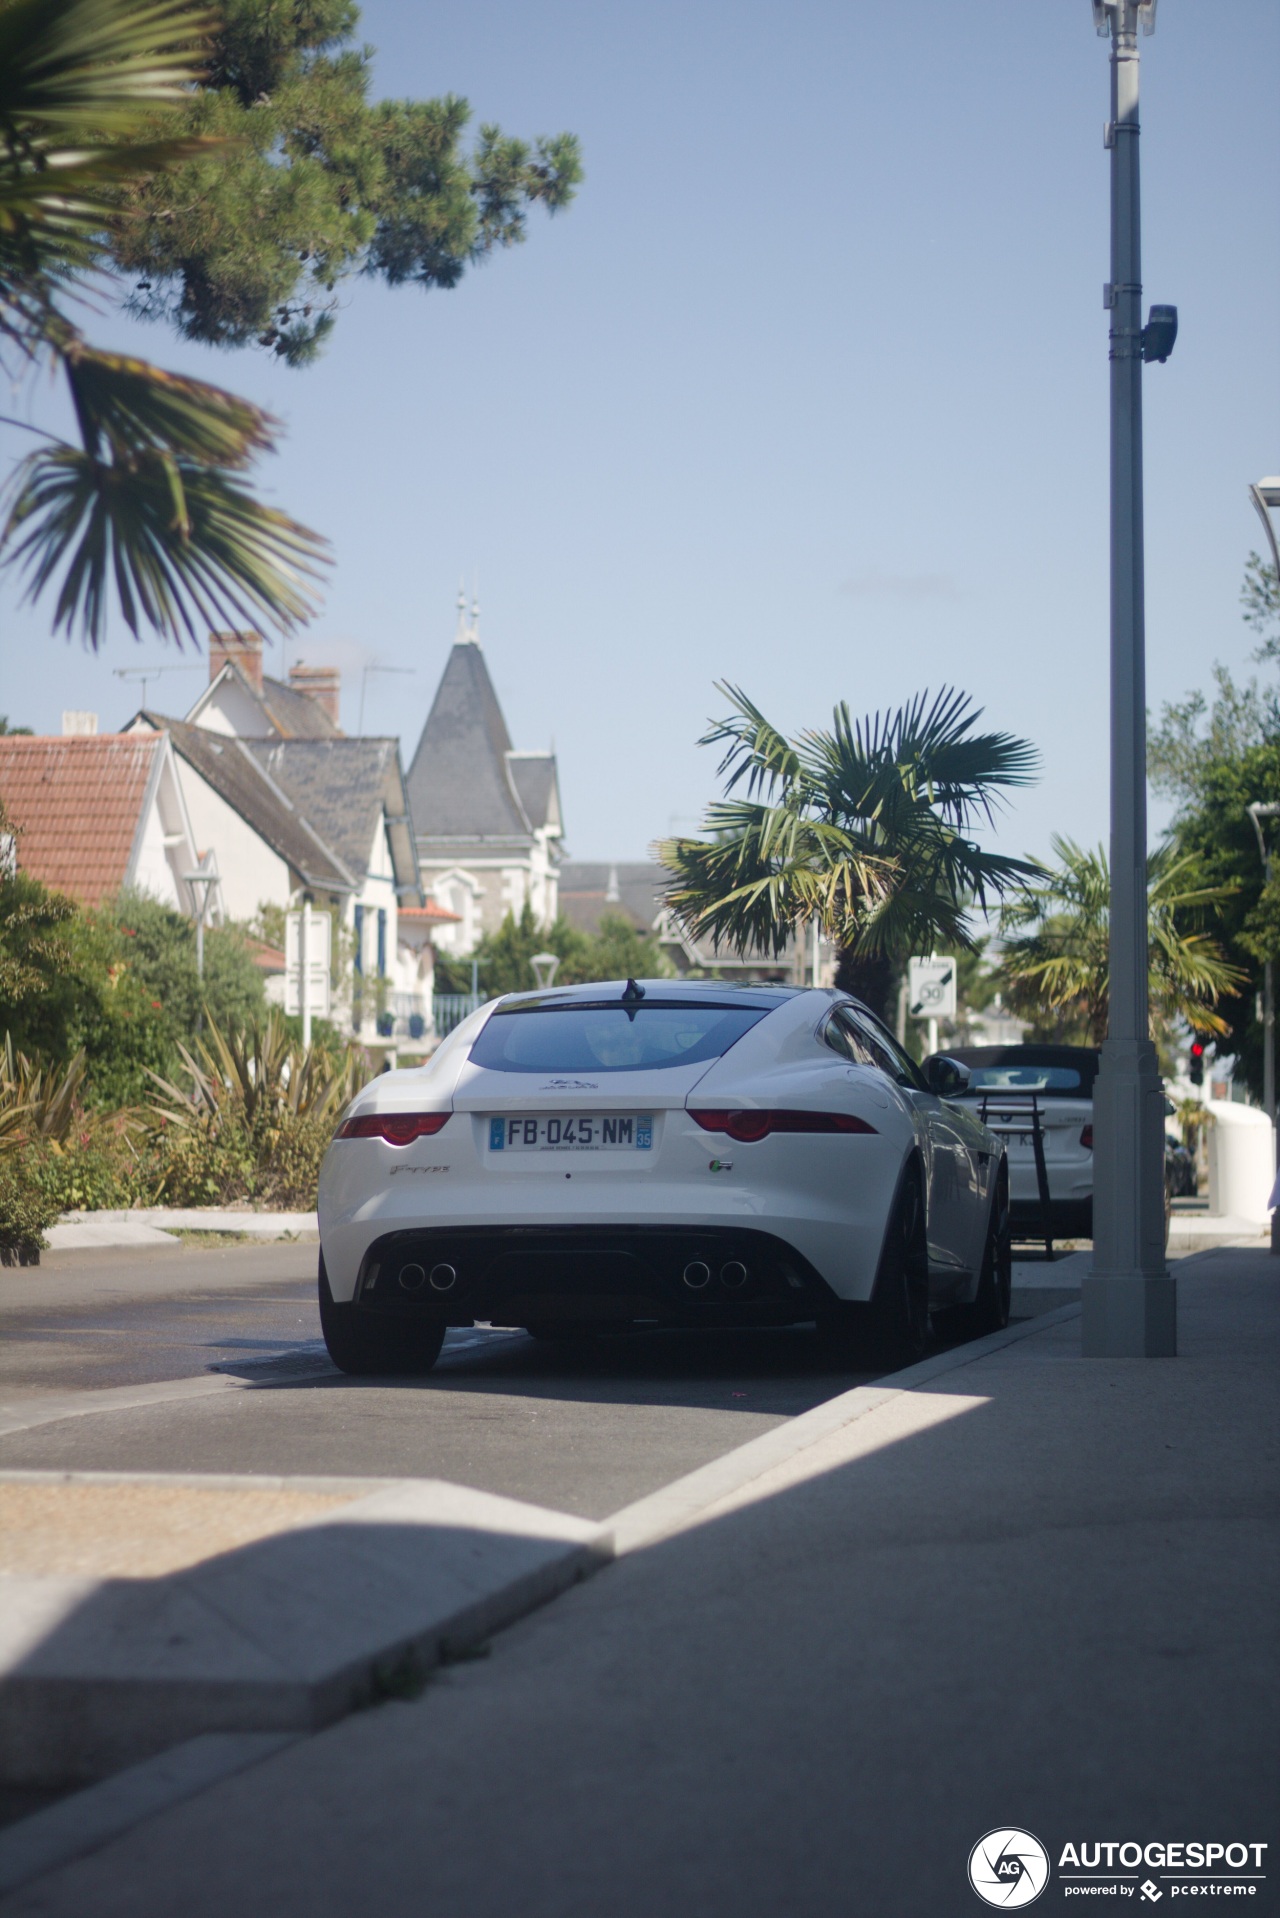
1008, 1868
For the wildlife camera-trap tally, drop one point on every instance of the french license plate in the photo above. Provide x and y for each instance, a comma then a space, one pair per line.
578, 1132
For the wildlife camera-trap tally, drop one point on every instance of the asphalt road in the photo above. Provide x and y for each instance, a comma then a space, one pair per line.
584, 1428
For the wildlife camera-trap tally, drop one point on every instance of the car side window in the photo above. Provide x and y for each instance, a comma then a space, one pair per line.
886, 1051
841, 1039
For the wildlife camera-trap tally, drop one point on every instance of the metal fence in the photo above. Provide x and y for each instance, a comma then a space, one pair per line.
451, 1008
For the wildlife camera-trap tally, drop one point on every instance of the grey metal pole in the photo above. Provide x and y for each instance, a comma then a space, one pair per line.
1269, 1035
1129, 1299
304, 976
1266, 497
1269, 1070
1257, 812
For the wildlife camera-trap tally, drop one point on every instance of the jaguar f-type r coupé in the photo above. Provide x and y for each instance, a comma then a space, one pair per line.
655, 1153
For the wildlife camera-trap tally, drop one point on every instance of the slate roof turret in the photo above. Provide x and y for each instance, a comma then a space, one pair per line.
460, 783
471, 793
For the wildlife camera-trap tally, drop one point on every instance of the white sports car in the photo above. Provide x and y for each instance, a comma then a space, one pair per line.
1019, 1090
660, 1153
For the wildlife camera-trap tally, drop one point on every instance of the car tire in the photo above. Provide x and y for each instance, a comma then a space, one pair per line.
375, 1351
989, 1311
898, 1320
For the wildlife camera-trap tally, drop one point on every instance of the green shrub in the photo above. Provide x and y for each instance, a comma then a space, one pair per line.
79, 1177
292, 1175
255, 1120
503, 959
252, 1125
207, 1159
26, 1210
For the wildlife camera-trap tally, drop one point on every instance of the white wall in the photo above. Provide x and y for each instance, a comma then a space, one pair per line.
229, 709
458, 890
165, 848
403, 973
252, 873
153, 871
484, 891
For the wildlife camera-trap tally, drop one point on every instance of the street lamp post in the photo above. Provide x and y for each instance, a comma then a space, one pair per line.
1265, 495
202, 883
1259, 811
1129, 1299
545, 965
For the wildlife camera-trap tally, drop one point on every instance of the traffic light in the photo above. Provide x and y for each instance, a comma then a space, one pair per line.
1197, 1062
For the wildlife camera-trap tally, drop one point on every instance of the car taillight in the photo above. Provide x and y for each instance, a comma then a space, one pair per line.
397, 1128
755, 1124
1086, 1137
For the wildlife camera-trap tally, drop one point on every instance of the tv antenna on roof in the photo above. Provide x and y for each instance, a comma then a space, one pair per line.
375, 667
144, 673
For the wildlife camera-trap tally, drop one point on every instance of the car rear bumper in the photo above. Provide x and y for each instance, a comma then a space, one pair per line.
588, 1275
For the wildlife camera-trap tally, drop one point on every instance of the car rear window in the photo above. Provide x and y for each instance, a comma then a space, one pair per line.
613, 1038
1061, 1079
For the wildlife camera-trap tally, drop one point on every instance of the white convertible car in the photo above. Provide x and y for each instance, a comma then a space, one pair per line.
661, 1153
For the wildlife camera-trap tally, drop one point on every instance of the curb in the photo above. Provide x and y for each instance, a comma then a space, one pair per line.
662, 1514
284, 1635
93, 1816
156, 1225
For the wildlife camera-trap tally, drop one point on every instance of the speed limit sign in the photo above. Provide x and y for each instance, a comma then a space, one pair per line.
931, 988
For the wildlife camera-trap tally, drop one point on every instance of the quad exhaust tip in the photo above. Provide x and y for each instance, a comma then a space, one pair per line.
443, 1278
697, 1275
412, 1278
733, 1275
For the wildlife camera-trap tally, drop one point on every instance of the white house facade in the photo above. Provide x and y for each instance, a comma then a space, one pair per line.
103, 813
487, 818
294, 809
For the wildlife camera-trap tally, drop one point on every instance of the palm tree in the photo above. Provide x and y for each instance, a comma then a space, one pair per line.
149, 504
1056, 943
864, 828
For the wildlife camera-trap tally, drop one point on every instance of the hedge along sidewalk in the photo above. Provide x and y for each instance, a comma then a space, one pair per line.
156, 1225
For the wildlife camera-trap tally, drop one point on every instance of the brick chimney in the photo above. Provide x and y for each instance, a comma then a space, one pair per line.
321, 683
245, 649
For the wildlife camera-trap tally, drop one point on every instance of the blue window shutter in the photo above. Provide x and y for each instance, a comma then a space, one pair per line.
382, 942
358, 957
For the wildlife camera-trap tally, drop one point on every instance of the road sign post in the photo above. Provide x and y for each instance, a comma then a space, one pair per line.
307, 945
931, 992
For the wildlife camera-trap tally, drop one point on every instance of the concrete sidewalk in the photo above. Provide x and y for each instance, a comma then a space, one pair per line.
155, 1225
1031, 1591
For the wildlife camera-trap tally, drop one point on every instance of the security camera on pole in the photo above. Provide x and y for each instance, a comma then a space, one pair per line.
1129, 1298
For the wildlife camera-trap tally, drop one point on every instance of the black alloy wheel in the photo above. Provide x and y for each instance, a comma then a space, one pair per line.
899, 1316
366, 1350
989, 1311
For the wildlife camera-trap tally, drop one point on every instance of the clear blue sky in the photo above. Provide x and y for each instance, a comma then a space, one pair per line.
807, 390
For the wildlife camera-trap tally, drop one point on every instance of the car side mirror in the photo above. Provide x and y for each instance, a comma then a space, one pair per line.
946, 1077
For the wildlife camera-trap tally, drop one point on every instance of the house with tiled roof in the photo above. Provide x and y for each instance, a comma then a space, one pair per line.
103, 813
352, 794
488, 820
297, 809
268, 850
247, 703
